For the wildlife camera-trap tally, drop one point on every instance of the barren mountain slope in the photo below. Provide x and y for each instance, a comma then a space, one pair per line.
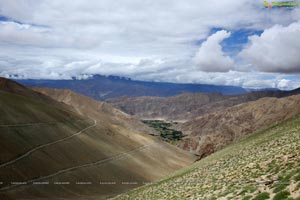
264, 165
187, 106
95, 109
47, 151
213, 131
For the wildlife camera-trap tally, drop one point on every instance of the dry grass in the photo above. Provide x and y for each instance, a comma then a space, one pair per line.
252, 168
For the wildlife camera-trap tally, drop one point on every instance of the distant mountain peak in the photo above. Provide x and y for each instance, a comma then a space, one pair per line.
102, 87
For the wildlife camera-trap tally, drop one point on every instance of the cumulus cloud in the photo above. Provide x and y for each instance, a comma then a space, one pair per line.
276, 50
148, 40
283, 83
210, 57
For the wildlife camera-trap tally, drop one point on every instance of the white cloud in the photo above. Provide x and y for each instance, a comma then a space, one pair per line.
151, 40
210, 57
276, 50
283, 83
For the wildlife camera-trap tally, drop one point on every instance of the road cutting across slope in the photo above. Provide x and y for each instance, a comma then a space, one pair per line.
46, 145
121, 155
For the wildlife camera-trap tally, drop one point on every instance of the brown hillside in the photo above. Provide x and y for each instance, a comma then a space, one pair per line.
187, 106
95, 109
213, 131
41, 142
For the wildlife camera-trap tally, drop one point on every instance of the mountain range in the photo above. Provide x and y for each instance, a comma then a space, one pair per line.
188, 106
58, 144
213, 131
211, 121
104, 87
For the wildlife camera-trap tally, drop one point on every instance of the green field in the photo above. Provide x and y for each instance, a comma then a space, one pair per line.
165, 130
265, 165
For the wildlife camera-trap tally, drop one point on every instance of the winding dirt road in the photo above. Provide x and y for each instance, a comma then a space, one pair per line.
46, 145
121, 155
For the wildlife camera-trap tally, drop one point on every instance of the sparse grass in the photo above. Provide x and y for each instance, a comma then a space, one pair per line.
297, 177
242, 169
279, 188
298, 186
281, 195
247, 197
262, 196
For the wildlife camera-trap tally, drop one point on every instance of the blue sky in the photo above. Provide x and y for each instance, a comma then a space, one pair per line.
216, 42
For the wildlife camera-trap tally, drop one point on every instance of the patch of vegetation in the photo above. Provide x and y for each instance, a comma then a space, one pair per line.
279, 188
165, 131
297, 177
247, 197
298, 186
281, 195
262, 196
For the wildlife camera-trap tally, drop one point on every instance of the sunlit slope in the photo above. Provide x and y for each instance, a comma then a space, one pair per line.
264, 165
212, 132
54, 143
101, 111
187, 106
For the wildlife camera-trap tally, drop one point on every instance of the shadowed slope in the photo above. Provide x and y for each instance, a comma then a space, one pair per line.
57, 145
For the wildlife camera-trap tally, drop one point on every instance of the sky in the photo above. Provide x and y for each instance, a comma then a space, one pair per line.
228, 42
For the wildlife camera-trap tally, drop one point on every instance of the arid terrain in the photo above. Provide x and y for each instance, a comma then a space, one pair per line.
57, 144
73, 147
187, 106
213, 131
264, 165
209, 122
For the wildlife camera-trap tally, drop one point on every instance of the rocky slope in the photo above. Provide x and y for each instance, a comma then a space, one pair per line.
83, 150
213, 131
187, 106
262, 166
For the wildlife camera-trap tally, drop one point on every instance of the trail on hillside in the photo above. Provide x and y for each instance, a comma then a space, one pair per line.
46, 145
33, 124
121, 155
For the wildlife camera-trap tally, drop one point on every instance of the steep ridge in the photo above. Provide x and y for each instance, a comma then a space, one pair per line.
213, 131
76, 151
264, 165
95, 109
187, 106
18, 89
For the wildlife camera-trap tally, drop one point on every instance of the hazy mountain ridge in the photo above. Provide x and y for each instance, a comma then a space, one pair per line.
102, 87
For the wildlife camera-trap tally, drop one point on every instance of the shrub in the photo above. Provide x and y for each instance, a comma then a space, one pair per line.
279, 188
247, 198
281, 195
262, 196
